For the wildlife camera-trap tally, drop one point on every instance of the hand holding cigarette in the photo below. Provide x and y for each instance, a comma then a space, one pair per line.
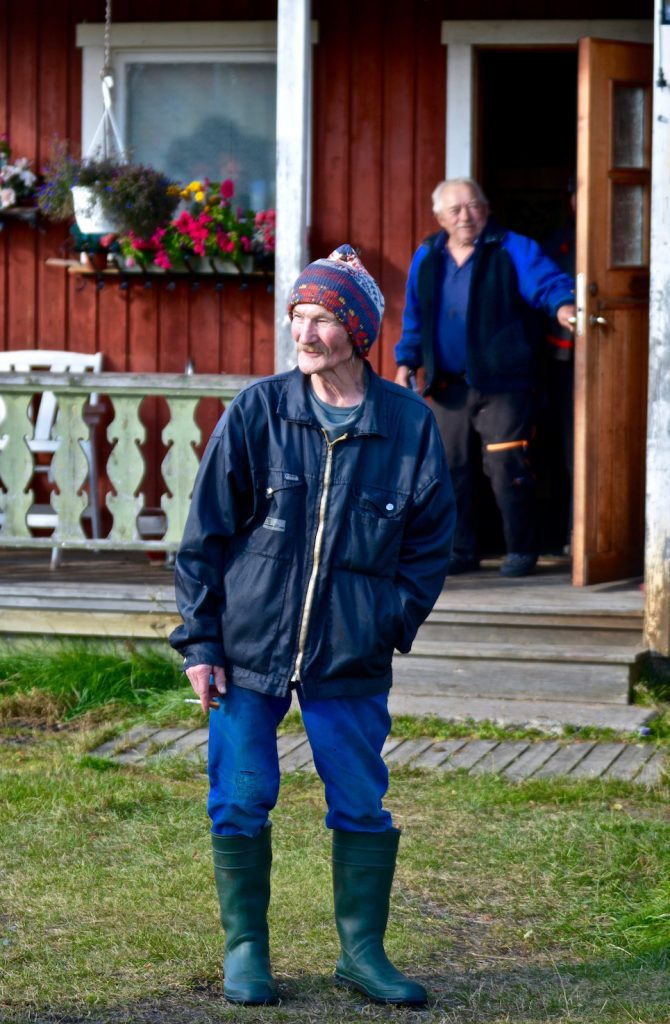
209, 683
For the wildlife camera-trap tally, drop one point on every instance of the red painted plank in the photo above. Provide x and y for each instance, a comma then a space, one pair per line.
397, 165
263, 359
236, 333
366, 129
203, 337
22, 85
113, 314
332, 83
430, 113
83, 318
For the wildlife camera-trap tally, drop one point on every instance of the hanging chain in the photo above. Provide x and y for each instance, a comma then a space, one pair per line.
107, 62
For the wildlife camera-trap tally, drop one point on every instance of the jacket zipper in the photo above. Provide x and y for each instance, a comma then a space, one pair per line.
316, 556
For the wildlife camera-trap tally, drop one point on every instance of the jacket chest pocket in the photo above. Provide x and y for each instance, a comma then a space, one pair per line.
279, 502
376, 521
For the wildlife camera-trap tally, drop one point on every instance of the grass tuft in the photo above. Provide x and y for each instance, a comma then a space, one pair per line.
78, 678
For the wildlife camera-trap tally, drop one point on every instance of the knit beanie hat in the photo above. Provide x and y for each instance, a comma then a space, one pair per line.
343, 286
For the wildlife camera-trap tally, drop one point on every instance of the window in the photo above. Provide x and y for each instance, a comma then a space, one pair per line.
194, 100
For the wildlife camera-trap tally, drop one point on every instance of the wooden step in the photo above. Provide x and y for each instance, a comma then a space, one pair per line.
561, 630
514, 678
610, 654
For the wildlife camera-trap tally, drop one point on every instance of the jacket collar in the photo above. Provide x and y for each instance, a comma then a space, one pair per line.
294, 404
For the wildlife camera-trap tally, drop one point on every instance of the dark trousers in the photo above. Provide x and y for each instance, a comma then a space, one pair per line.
502, 425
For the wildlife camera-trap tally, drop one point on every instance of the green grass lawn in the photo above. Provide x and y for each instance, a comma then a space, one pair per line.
520, 903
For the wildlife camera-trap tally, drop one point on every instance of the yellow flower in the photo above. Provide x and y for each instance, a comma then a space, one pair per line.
184, 193
199, 196
194, 186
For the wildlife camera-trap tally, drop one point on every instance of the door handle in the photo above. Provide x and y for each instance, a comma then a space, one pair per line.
597, 321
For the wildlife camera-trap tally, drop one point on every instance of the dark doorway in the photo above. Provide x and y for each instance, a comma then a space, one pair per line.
527, 137
526, 158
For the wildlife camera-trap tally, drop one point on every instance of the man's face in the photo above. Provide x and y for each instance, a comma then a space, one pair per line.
323, 343
462, 214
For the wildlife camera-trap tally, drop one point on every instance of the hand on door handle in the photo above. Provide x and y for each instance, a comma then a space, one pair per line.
597, 321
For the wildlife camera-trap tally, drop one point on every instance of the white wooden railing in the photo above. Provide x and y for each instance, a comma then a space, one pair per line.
133, 525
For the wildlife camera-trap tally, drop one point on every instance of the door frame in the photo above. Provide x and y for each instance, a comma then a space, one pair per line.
463, 38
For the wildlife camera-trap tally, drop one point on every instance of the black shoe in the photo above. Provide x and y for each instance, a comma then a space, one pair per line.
517, 565
461, 563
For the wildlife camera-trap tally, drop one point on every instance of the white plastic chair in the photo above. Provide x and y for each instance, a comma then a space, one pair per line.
43, 440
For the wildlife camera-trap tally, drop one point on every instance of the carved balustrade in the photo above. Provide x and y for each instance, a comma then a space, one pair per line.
72, 472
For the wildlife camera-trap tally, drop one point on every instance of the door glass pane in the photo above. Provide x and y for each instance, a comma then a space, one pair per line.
627, 225
205, 119
628, 125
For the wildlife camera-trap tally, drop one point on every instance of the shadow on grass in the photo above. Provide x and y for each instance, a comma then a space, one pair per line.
606, 991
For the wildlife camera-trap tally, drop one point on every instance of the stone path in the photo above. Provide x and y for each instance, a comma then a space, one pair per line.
514, 759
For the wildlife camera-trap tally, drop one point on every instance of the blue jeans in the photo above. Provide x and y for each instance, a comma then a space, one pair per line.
346, 735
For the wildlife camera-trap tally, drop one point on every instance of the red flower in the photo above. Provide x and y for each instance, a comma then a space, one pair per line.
227, 189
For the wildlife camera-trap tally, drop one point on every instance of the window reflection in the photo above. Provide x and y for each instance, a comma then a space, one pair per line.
205, 119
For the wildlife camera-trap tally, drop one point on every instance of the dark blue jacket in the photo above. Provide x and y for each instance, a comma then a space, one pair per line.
311, 561
511, 278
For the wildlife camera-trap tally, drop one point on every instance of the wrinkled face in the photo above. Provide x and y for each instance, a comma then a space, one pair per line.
462, 214
323, 343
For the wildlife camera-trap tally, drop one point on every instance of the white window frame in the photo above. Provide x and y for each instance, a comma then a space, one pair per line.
151, 41
462, 39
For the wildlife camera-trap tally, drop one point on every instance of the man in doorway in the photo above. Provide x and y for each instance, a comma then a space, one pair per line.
317, 541
470, 321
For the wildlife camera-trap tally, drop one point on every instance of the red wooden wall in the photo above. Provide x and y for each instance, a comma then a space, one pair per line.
379, 148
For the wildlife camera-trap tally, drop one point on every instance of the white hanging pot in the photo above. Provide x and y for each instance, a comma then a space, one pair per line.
89, 214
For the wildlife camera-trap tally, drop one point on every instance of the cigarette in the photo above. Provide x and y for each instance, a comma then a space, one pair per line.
194, 700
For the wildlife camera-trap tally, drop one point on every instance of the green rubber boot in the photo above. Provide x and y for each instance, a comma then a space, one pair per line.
363, 866
242, 873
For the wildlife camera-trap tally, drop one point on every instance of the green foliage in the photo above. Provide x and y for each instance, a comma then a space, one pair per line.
139, 199
79, 677
61, 174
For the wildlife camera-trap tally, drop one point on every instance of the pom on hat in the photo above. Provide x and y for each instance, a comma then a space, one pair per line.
343, 286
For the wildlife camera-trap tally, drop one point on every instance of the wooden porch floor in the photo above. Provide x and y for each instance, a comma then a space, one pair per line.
132, 594
548, 588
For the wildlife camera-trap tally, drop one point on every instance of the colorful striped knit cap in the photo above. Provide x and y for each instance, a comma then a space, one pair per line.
343, 286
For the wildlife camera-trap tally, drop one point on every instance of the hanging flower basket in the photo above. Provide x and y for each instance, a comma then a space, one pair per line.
89, 213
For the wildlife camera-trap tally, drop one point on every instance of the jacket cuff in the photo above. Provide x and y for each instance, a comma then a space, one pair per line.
202, 654
567, 300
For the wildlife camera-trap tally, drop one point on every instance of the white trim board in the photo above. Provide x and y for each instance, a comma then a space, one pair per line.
462, 38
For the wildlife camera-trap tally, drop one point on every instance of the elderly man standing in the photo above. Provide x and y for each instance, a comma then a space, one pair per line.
469, 321
317, 542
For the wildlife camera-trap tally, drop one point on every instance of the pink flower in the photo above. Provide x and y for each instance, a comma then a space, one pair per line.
161, 259
227, 189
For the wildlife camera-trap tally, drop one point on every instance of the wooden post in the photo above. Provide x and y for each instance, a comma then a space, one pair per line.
657, 550
294, 90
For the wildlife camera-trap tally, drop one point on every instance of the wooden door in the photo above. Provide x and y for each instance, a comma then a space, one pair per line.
613, 204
